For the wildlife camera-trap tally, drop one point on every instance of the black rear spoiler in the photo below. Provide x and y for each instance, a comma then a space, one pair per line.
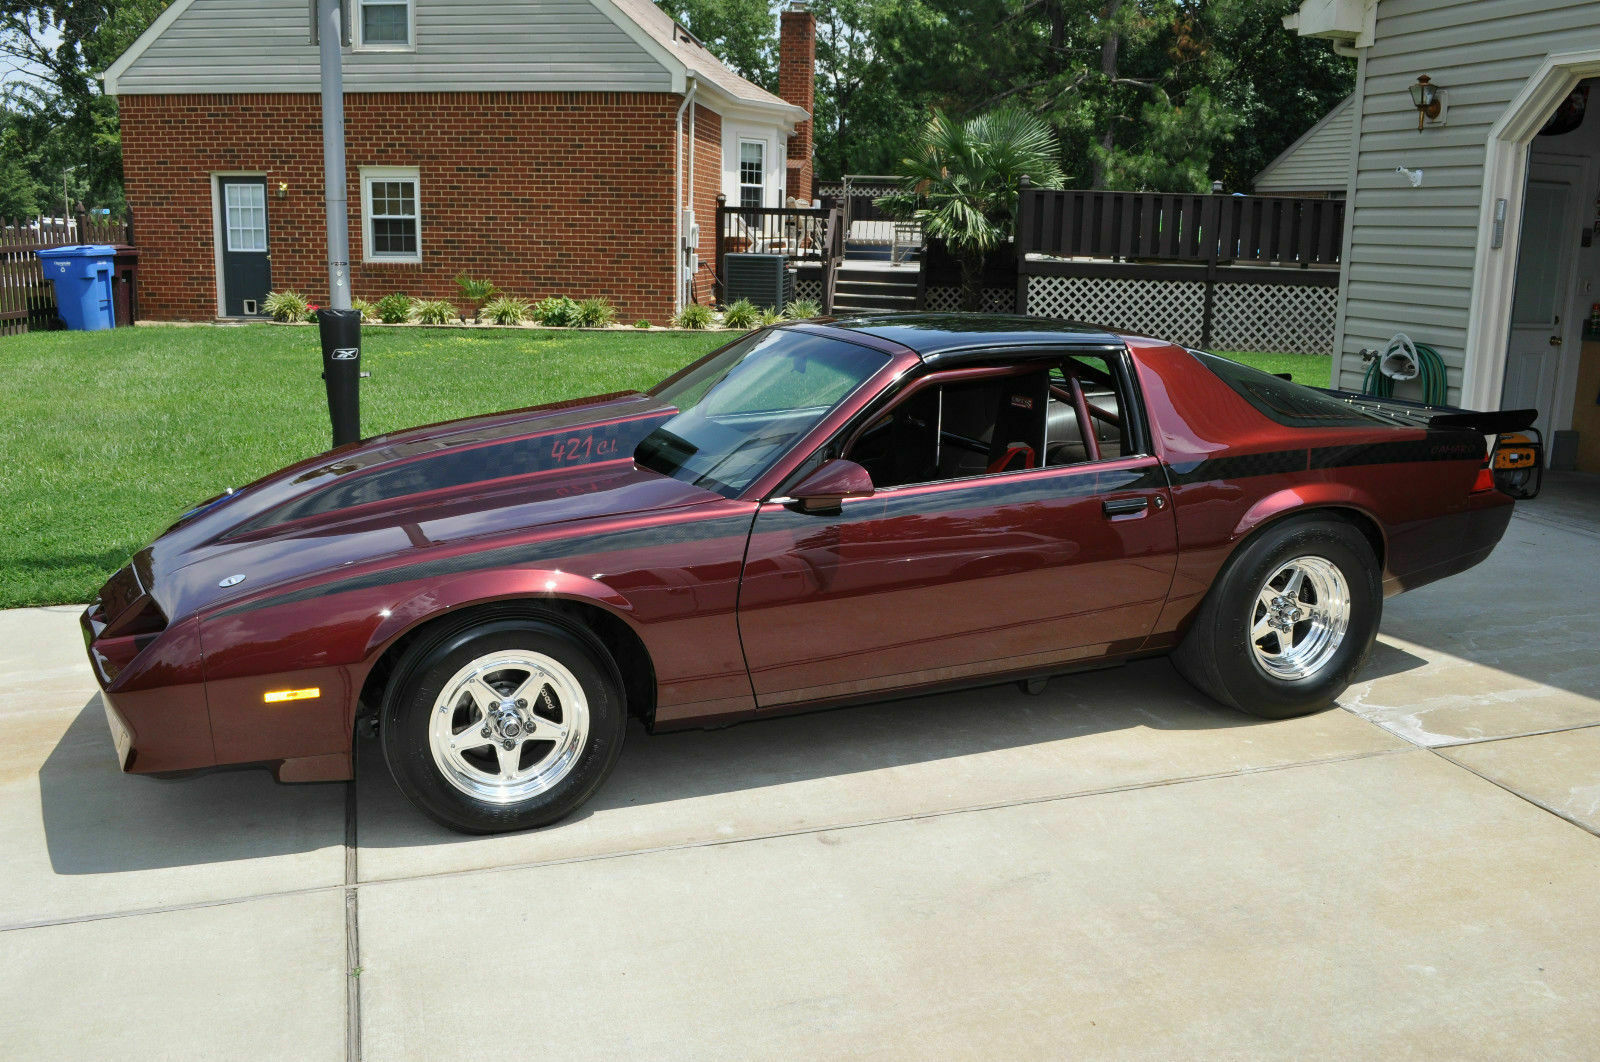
1485, 422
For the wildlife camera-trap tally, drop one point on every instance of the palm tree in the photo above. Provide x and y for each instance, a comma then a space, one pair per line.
961, 183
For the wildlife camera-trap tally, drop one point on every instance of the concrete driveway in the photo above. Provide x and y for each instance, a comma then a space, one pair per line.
1116, 868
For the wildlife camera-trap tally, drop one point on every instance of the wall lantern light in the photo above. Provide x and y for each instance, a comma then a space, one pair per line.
1428, 99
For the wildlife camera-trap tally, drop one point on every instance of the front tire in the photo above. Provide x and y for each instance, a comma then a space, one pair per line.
1289, 621
503, 725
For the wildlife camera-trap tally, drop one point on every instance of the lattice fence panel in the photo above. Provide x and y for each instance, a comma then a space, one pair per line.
1283, 318
807, 288
1168, 309
946, 298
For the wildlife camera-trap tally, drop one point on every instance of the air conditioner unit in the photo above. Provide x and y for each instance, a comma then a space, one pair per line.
764, 279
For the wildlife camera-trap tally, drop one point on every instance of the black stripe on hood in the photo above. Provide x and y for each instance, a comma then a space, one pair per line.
545, 452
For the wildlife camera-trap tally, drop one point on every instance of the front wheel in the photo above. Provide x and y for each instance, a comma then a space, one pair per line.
505, 725
1289, 621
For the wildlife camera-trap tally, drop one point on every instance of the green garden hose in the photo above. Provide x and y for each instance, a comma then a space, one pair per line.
1405, 360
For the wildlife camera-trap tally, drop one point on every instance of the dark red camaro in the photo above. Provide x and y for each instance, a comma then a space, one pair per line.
819, 513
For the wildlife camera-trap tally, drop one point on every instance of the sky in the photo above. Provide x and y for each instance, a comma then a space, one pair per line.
15, 70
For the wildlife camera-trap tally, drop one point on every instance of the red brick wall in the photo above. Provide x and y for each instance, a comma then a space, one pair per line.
707, 185
544, 193
797, 84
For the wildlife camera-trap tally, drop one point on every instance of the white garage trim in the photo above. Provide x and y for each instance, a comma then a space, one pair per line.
1505, 173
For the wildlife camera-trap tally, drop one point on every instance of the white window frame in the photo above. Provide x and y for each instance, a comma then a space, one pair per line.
227, 217
369, 174
739, 168
358, 34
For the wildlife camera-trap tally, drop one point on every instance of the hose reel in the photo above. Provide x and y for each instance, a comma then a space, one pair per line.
1402, 359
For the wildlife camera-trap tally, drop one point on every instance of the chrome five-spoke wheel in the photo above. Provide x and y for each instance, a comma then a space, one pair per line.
1299, 617
509, 725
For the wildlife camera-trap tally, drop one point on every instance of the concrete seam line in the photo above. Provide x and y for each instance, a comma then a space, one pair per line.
352, 925
1440, 752
1541, 805
1557, 525
709, 843
1508, 737
887, 820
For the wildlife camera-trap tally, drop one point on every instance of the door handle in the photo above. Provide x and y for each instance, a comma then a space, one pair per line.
1555, 341
1124, 506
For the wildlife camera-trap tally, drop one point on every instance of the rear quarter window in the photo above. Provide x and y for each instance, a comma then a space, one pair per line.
1287, 403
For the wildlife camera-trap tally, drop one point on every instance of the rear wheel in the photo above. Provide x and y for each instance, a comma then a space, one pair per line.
1289, 621
504, 725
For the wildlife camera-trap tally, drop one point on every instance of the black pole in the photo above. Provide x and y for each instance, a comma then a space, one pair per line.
341, 371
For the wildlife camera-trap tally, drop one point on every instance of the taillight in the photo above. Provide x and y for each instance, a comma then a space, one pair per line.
1485, 480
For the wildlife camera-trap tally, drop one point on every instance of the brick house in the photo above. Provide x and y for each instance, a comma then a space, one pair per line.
570, 147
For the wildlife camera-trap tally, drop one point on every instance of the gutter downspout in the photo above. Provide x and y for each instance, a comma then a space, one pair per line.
677, 197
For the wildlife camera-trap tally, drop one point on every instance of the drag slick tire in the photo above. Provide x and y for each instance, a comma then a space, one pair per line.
503, 725
1289, 621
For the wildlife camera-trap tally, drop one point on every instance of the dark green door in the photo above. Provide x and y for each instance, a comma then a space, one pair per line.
246, 262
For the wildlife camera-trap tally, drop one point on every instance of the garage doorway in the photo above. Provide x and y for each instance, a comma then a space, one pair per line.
1546, 331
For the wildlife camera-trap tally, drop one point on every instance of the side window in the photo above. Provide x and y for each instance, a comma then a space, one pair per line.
384, 25
957, 430
1087, 389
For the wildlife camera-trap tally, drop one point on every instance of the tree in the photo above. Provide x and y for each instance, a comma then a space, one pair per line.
1278, 83
20, 194
863, 122
961, 182
742, 33
68, 125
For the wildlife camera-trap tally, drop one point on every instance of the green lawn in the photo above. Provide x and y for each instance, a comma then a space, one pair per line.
105, 437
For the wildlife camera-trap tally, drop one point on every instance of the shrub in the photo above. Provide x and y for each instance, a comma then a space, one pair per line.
363, 307
594, 313
558, 311
285, 306
506, 310
434, 311
742, 314
475, 293
311, 312
770, 318
693, 316
801, 308
641, 323
394, 308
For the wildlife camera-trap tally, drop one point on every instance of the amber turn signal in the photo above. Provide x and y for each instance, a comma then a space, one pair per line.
277, 696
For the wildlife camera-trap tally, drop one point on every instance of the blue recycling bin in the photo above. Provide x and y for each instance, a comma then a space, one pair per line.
82, 277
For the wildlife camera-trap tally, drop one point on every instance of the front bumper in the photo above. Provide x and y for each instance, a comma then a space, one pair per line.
154, 694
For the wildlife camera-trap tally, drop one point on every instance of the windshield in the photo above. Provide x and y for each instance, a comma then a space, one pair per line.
742, 409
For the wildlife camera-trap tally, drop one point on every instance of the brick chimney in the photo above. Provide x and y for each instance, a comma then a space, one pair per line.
797, 84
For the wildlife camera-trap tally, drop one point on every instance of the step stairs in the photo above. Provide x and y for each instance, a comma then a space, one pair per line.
858, 290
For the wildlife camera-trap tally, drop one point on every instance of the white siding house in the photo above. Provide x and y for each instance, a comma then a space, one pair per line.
1435, 253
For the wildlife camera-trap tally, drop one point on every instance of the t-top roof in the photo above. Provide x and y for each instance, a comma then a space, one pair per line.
945, 337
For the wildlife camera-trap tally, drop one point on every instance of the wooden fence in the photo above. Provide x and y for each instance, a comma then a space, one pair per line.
27, 298
1133, 226
1179, 244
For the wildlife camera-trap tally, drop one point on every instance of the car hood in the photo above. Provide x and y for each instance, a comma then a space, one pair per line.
393, 496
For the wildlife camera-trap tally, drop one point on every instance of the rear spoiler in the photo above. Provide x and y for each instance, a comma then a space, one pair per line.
1485, 422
